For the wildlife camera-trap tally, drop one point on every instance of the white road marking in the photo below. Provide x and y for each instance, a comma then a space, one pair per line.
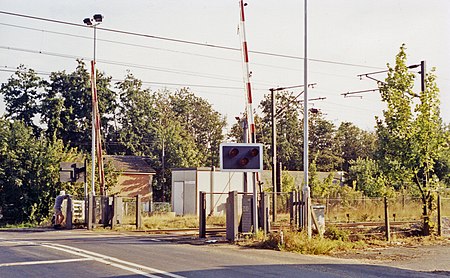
46, 262
88, 255
108, 259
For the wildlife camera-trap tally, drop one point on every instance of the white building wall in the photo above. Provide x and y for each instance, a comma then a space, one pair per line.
219, 183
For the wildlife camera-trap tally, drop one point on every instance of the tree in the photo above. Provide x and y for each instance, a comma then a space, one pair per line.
411, 135
365, 175
289, 131
204, 124
322, 143
66, 108
22, 94
172, 129
353, 143
29, 172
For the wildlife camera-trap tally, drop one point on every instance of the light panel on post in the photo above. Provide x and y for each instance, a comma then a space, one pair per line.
241, 157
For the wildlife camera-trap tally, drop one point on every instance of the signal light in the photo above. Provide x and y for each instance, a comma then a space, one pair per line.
241, 157
233, 152
254, 152
244, 161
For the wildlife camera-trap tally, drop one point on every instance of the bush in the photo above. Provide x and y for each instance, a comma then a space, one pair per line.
334, 233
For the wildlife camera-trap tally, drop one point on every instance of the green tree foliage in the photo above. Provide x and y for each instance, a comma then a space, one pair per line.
366, 176
173, 129
22, 94
411, 135
322, 143
353, 143
66, 108
200, 120
29, 169
289, 133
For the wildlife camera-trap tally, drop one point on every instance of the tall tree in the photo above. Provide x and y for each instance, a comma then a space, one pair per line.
411, 135
289, 131
29, 172
353, 143
204, 124
322, 143
66, 108
22, 94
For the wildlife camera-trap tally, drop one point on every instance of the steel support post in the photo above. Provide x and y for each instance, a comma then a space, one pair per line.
202, 215
386, 219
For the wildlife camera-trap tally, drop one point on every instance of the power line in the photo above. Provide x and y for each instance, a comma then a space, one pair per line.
158, 48
165, 49
117, 63
186, 41
7, 69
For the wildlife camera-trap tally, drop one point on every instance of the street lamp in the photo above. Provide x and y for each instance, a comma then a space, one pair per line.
93, 22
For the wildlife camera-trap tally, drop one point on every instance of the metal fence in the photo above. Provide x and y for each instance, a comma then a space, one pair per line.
445, 216
340, 210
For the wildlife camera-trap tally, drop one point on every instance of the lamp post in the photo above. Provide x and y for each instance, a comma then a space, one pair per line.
93, 22
306, 189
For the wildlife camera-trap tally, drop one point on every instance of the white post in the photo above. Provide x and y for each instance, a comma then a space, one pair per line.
306, 189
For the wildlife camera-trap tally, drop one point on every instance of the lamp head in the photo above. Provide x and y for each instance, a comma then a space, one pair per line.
87, 21
98, 17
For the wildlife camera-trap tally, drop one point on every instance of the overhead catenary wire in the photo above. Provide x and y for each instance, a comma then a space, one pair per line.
169, 50
187, 41
358, 92
11, 70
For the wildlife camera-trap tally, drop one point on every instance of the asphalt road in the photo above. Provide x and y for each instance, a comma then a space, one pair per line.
80, 253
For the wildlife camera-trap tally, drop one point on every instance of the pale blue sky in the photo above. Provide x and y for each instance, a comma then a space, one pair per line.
362, 32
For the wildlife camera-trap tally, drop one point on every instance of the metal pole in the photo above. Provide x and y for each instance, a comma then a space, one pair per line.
386, 220
306, 189
93, 134
245, 140
202, 215
439, 215
423, 69
274, 158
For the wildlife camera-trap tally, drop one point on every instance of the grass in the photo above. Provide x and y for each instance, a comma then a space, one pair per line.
19, 226
293, 241
168, 221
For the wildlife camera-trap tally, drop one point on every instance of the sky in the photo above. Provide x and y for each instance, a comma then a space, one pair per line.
345, 38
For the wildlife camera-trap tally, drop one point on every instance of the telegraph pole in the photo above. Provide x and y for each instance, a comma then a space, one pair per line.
274, 157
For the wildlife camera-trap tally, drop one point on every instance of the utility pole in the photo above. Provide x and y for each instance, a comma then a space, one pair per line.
306, 190
423, 69
274, 114
274, 157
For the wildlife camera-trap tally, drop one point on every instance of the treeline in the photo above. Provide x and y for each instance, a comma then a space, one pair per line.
48, 120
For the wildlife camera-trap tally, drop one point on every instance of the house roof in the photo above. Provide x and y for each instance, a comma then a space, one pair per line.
131, 164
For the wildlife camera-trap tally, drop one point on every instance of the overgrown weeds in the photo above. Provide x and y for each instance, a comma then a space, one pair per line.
293, 241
